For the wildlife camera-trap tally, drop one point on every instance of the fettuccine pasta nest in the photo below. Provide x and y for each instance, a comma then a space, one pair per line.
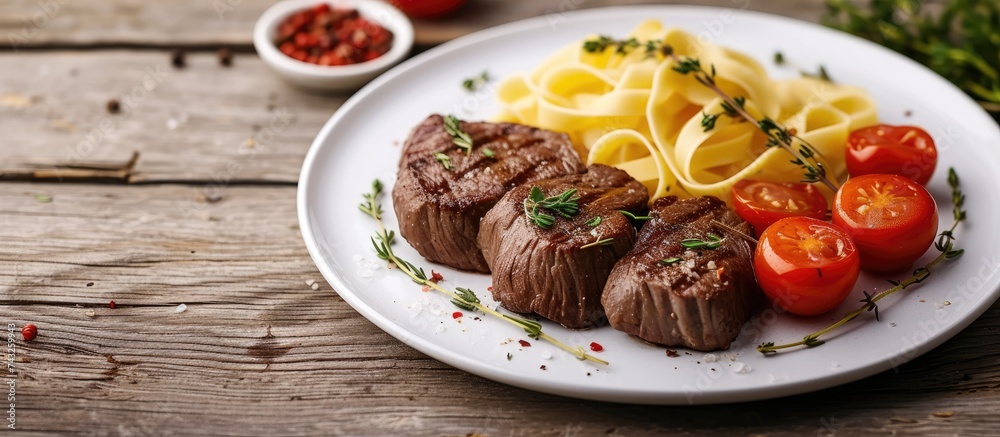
633, 111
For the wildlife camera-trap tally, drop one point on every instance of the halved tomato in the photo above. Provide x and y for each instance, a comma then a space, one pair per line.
763, 203
806, 266
883, 149
892, 219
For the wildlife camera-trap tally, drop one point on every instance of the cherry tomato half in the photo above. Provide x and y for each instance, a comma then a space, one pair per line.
892, 220
763, 203
806, 266
902, 150
427, 8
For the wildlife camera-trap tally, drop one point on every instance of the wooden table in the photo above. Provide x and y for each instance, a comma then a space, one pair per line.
206, 217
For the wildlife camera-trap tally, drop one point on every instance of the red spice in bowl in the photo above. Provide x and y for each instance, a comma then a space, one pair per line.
332, 36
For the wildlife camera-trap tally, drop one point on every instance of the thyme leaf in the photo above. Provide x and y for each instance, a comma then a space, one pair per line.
458, 137
445, 161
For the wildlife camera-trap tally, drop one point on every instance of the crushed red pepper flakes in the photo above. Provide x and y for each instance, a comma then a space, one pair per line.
672, 353
456, 315
524, 343
543, 367
436, 277
29, 332
596, 347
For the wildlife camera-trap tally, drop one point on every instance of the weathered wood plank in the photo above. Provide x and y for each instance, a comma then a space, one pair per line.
197, 23
83, 23
259, 352
204, 122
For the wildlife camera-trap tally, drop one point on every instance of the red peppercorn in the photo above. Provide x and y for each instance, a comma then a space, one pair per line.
112, 305
456, 314
596, 347
29, 332
325, 35
435, 276
524, 343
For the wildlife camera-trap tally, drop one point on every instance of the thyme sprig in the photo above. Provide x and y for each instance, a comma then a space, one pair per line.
458, 136
564, 204
944, 244
961, 42
711, 241
594, 222
598, 241
461, 297
804, 154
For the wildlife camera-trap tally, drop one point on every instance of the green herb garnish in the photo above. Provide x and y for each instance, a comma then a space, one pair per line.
475, 83
458, 137
711, 241
461, 297
445, 160
961, 43
564, 204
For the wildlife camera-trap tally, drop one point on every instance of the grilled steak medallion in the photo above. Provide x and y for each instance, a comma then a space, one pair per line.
559, 272
439, 201
665, 293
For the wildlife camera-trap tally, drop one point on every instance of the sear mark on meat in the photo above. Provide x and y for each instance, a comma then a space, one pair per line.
548, 271
701, 301
439, 209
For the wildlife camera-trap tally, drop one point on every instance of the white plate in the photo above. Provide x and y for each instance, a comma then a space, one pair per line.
362, 142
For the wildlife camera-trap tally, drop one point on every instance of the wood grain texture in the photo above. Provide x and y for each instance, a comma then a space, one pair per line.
214, 23
202, 123
259, 352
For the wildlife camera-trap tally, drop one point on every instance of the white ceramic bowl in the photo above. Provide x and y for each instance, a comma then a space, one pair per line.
339, 77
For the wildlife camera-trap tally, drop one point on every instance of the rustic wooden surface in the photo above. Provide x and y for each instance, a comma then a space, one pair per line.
257, 351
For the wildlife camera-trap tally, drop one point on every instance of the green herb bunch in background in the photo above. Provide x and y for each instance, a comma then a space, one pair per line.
961, 41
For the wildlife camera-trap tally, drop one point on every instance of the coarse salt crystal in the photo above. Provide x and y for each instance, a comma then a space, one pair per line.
310, 282
315, 286
546, 355
741, 367
835, 364
181, 308
710, 358
710, 264
730, 357
441, 329
90, 313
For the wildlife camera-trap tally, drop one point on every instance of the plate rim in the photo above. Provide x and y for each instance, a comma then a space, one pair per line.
597, 393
